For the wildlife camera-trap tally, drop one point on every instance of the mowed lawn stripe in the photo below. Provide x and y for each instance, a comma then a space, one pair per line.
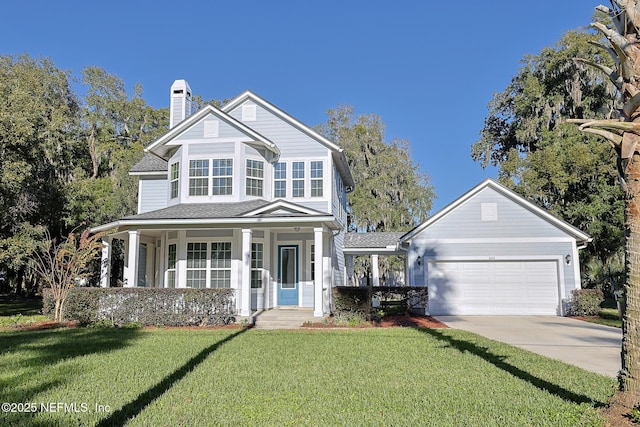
398, 376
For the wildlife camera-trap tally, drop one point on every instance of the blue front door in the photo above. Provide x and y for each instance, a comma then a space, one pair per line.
288, 275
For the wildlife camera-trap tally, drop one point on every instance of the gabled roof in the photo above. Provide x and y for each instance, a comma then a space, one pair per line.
283, 208
338, 154
580, 236
150, 164
161, 148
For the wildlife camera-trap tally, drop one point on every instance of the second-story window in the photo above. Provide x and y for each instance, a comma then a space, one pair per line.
280, 180
198, 177
316, 178
297, 175
255, 178
222, 176
175, 179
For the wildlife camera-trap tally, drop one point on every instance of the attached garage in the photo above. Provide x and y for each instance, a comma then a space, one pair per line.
492, 252
494, 287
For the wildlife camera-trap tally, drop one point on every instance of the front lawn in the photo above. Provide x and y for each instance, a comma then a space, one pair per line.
20, 311
376, 376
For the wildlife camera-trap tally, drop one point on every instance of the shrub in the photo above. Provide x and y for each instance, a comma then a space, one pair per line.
585, 302
405, 299
355, 302
352, 302
147, 306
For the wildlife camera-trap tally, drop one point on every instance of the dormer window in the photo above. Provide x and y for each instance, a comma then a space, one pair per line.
255, 178
175, 178
222, 177
198, 177
316, 178
280, 180
297, 179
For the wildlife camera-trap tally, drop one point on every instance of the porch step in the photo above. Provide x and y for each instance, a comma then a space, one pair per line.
284, 318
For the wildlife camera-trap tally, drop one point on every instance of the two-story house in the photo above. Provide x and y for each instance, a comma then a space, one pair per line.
244, 197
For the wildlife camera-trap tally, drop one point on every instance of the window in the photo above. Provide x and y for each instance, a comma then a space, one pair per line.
175, 178
298, 179
196, 265
316, 179
280, 180
221, 265
171, 266
255, 177
313, 262
222, 177
256, 265
198, 177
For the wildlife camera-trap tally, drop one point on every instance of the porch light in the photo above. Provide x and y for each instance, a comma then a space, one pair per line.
567, 259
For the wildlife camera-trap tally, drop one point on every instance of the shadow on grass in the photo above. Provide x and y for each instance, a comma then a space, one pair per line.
498, 362
12, 306
133, 408
40, 351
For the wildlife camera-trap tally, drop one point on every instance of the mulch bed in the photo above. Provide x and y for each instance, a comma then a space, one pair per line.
36, 326
395, 321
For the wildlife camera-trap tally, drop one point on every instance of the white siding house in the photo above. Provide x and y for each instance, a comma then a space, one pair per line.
491, 252
245, 197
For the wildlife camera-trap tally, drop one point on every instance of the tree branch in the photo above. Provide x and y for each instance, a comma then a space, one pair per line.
619, 43
612, 74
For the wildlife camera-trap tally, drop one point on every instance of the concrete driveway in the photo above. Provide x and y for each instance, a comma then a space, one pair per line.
593, 347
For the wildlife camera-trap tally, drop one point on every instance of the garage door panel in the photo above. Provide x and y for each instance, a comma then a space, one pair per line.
493, 287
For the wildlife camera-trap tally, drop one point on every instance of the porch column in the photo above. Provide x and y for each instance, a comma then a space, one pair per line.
349, 270
245, 290
318, 234
105, 263
131, 270
375, 270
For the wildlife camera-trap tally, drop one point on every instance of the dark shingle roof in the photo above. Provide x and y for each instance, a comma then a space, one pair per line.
202, 210
150, 163
372, 240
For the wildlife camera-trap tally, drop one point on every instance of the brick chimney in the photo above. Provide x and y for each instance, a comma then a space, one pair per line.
180, 102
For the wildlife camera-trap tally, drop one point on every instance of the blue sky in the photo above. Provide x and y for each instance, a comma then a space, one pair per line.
427, 68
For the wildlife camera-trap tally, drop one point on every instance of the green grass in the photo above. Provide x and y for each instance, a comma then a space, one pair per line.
21, 311
400, 377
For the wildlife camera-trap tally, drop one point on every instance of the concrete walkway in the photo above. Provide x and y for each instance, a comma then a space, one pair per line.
593, 347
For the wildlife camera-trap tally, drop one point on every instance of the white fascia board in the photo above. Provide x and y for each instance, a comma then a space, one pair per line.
282, 204
146, 223
373, 251
579, 235
195, 118
149, 173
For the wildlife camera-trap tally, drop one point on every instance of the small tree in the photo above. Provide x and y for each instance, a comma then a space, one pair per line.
62, 265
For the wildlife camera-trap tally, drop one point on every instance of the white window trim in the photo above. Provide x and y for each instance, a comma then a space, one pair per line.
287, 190
175, 267
208, 241
211, 176
248, 177
172, 180
262, 269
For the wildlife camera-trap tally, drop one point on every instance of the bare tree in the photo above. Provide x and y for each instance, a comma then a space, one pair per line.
62, 265
623, 134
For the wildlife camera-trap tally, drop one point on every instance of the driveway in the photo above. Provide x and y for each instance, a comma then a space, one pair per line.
593, 347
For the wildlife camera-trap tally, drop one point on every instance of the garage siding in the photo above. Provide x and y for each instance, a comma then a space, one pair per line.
499, 252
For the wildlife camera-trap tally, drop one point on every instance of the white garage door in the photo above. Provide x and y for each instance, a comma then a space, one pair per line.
493, 288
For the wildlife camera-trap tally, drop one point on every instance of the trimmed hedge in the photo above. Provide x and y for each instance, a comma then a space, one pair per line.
405, 299
585, 302
351, 301
147, 306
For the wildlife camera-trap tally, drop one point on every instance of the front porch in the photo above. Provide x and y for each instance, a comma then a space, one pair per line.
268, 266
